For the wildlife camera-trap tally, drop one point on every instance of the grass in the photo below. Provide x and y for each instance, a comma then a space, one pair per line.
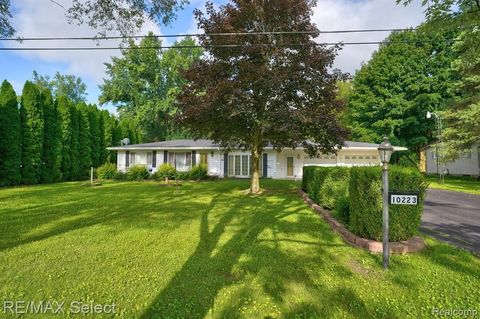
207, 250
462, 184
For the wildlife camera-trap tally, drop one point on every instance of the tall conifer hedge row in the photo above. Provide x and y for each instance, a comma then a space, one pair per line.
43, 140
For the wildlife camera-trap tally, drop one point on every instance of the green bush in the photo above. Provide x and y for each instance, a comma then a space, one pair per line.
366, 202
342, 209
355, 196
335, 186
165, 171
106, 171
313, 178
183, 176
137, 173
119, 176
199, 172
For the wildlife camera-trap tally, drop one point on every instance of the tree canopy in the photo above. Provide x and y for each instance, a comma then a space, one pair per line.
144, 83
409, 75
270, 89
462, 115
62, 85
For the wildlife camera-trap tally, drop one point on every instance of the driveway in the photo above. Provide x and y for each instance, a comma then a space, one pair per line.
453, 217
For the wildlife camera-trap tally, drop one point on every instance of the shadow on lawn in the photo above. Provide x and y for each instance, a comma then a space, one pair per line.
219, 262
71, 208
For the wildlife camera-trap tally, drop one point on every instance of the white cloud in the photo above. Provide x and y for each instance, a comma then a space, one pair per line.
363, 14
35, 18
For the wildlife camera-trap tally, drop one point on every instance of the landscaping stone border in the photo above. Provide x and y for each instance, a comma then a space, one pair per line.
411, 245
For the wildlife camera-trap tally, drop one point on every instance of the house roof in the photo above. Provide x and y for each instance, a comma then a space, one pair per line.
208, 144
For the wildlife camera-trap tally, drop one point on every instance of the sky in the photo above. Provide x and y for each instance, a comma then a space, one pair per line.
44, 18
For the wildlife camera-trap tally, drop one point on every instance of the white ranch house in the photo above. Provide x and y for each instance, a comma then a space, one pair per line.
183, 154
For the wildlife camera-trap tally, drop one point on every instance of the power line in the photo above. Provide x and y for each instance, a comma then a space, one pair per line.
98, 38
226, 46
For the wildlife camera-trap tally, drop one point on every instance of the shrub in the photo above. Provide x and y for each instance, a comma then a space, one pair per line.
199, 172
366, 202
183, 176
164, 172
314, 176
137, 173
119, 176
106, 171
342, 209
335, 186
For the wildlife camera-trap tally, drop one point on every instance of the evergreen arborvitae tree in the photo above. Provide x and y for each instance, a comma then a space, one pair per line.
52, 149
103, 141
66, 134
108, 134
95, 136
75, 172
84, 140
10, 137
31, 117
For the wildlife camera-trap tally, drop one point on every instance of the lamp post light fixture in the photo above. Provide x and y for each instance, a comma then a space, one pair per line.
385, 150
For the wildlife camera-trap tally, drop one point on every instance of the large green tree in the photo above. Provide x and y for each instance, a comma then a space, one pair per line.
32, 122
409, 75
52, 148
143, 84
10, 137
63, 84
462, 115
263, 89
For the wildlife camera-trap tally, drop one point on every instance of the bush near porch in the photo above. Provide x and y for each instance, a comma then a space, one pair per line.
356, 198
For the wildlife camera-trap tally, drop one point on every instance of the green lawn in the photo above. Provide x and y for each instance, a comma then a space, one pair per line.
207, 250
469, 185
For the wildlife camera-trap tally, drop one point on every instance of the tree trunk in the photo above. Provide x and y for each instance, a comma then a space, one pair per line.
257, 150
255, 181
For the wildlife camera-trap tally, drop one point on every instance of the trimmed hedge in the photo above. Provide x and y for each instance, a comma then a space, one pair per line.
355, 194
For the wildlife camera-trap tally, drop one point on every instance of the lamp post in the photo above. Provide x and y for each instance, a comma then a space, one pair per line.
439, 141
385, 150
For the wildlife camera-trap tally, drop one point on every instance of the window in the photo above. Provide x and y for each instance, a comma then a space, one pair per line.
466, 154
149, 158
333, 157
230, 165
434, 155
132, 158
182, 161
204, 158
367, 157
360, 157
245, 165
347, 157
374, 158
237, 165
354, 157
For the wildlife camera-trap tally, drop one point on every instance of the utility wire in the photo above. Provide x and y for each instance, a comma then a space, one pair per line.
209, 46
97, 38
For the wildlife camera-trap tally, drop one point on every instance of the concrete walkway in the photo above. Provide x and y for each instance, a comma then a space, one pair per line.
453, 217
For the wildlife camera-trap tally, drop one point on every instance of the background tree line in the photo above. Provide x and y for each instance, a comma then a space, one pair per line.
45, 139
435, 68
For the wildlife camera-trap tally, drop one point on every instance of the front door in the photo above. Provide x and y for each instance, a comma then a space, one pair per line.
290, 166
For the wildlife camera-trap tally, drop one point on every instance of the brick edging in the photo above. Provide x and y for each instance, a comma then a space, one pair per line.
411, 245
